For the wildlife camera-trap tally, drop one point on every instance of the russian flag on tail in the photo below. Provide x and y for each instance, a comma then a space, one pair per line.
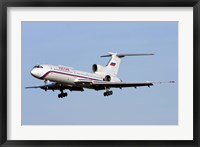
112, 64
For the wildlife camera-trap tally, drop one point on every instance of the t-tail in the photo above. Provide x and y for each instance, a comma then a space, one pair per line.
114, 63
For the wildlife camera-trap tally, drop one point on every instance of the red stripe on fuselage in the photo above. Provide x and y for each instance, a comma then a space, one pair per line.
68, 75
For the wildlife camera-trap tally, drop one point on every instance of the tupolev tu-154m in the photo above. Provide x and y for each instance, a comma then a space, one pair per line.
102, 78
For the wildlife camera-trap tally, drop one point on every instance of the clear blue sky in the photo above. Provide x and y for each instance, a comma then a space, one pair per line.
79, 45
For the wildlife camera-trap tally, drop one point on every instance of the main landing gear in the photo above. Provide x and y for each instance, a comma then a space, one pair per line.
62, 94
107, 93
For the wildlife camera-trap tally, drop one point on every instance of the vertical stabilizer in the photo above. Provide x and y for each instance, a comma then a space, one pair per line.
113, 64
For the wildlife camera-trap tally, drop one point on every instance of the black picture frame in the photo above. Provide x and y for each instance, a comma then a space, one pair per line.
97, 3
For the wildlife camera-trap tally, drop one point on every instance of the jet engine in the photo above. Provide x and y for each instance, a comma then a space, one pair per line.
98, 68
104, 72
107, 78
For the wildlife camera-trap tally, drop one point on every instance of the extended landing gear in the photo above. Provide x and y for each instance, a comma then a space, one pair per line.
62, 94
107, 93
45, 82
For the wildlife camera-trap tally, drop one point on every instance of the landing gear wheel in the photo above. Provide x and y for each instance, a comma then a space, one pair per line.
65, 94
107, 93
61, 95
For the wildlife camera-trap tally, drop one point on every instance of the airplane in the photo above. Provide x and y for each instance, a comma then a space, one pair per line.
102, 78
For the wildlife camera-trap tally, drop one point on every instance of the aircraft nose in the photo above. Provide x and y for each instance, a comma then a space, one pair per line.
35, 73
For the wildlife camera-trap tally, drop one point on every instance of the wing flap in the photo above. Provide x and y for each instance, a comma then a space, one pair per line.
122, 84
101, 85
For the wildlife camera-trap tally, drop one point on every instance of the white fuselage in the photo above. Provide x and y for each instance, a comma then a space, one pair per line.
65, 75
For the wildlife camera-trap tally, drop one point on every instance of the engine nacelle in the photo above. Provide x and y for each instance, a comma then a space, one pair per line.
105, 73
98, 68
107, 78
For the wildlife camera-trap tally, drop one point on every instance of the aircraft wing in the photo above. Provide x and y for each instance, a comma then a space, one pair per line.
101, 85
56, 86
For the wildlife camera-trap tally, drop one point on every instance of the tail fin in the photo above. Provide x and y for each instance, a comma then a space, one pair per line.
114, 63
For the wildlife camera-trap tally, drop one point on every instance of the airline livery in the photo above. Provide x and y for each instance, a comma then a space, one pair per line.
102, 78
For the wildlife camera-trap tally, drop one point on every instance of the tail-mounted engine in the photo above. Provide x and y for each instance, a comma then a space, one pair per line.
107, 78
105, 72
98, 68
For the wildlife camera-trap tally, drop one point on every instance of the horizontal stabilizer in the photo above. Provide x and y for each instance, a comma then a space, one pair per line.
123, 55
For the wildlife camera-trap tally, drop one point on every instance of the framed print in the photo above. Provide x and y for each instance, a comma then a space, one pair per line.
55, 89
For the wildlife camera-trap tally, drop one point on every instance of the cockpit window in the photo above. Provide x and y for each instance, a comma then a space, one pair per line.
38, 66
